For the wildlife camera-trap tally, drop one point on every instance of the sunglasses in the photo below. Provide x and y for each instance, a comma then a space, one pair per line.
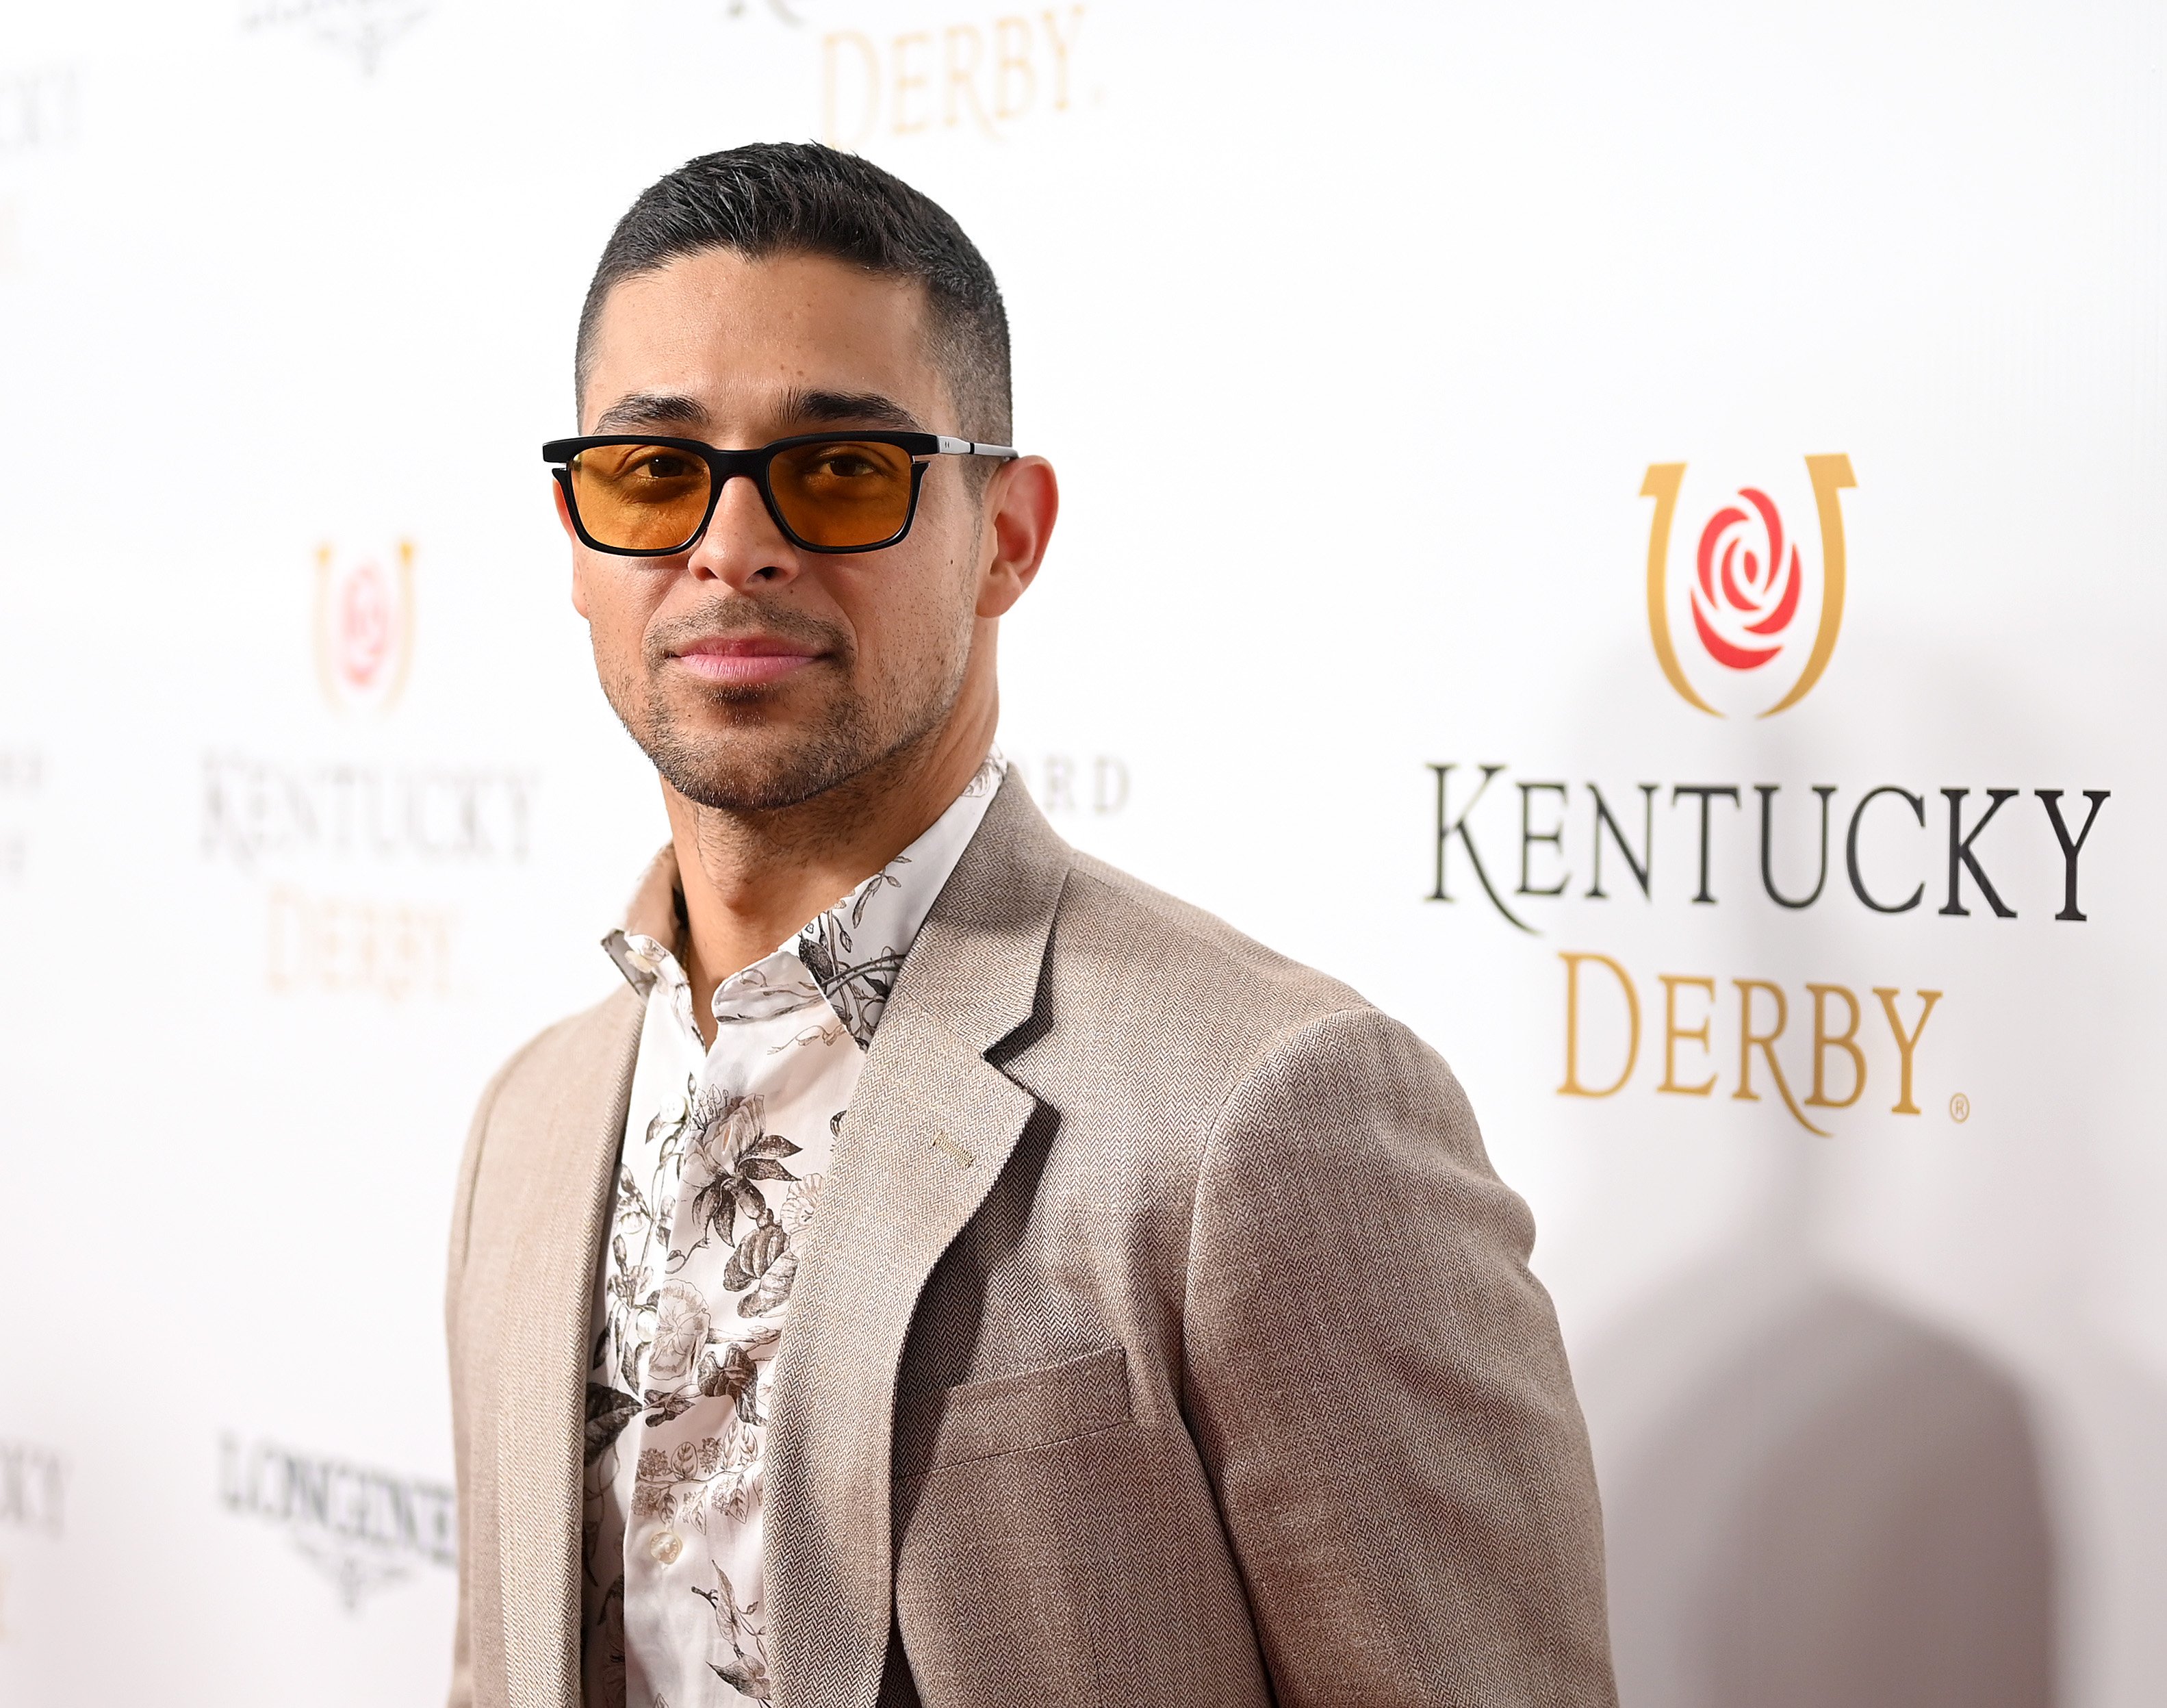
645, 497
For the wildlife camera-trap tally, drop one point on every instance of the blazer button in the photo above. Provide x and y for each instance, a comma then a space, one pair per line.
666, 1546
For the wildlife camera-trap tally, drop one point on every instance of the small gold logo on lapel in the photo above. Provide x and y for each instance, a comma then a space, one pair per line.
956, 1153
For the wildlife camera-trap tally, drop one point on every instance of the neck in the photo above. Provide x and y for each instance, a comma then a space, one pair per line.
752, 878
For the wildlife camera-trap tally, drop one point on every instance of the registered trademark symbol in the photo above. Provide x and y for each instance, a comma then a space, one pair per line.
1960, 1107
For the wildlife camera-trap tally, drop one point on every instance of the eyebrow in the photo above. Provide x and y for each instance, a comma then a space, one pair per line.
657, 409
642, 409
848, 408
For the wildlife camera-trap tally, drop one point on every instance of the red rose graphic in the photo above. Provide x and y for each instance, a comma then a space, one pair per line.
363, 626
1743, 599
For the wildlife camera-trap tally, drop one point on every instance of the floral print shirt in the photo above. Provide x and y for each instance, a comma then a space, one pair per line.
724, 1152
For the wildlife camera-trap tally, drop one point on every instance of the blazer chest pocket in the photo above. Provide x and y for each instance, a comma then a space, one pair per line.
1014, 1413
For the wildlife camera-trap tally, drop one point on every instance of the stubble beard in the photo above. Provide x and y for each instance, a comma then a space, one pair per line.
755, 765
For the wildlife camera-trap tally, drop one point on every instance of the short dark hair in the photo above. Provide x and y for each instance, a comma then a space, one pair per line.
779, 197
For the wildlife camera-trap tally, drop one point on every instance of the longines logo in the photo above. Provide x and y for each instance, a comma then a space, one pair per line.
365, 626
363, 1529
1762, 615
360, 29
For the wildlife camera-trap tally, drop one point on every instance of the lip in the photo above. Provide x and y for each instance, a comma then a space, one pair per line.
743, 660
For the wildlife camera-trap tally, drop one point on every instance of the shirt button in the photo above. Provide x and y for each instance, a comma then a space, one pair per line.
665, 1547
672, 1107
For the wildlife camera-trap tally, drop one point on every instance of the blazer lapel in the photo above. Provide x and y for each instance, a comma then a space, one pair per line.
566, 1161
931, 1125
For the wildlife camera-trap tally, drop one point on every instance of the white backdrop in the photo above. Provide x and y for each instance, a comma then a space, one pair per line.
309, 810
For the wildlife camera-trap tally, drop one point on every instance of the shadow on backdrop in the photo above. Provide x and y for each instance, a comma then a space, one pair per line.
1814, 1497
1845, 1506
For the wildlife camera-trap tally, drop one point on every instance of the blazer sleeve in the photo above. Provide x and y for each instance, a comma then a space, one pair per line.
1379, 1389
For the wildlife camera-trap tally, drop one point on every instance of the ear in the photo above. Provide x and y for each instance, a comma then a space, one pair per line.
1021, 501
564, 522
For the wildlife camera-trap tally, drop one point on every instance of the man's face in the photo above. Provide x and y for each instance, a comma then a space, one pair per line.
756, 675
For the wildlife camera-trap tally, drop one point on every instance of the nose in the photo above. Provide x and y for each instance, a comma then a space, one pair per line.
743, 547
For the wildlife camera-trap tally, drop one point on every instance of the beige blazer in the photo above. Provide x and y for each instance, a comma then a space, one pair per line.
1164, 1337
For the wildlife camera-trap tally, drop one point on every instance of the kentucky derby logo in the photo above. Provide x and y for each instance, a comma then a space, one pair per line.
365, 626
1758, 623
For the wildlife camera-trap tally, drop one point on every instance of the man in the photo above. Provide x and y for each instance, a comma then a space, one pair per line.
1017, 1287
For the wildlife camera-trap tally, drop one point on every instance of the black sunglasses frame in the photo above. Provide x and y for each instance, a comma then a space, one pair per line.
725, 466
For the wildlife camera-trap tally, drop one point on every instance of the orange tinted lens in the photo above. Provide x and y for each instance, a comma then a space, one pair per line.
640, 497
843, 492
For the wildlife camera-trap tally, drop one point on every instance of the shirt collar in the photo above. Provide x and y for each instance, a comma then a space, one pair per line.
849, 954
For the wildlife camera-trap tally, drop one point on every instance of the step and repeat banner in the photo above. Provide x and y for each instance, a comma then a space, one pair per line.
1633, 535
